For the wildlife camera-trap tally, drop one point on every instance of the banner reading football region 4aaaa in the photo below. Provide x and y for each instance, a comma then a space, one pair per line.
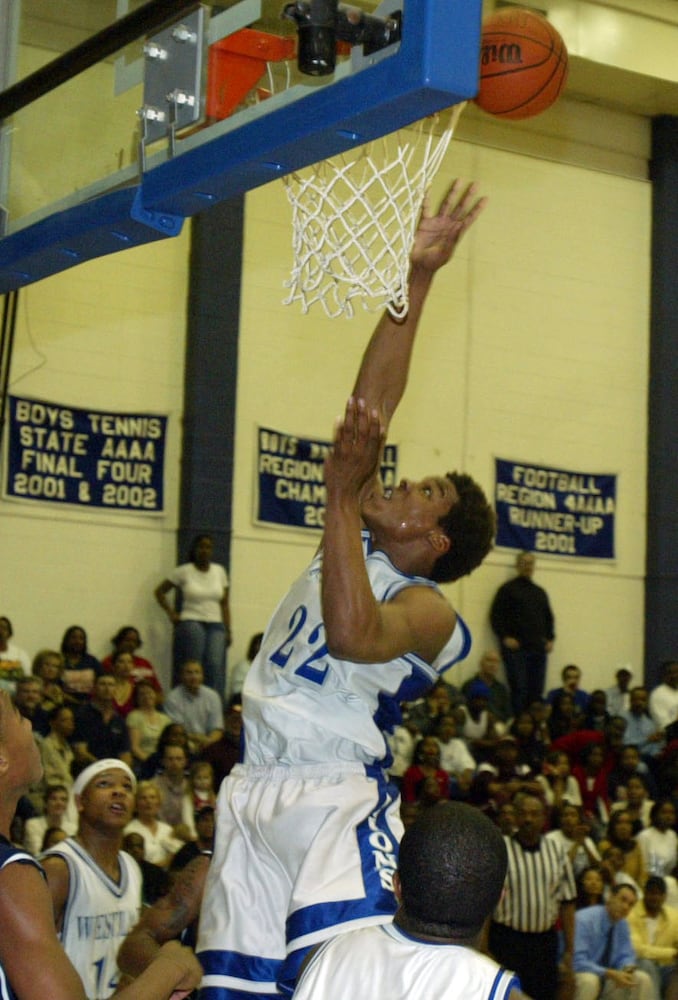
540, 509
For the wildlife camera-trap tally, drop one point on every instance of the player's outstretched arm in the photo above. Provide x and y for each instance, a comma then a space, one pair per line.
172, 975
385, 365
165, 920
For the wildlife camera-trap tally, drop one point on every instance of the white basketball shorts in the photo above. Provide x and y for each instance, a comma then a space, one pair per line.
301, 854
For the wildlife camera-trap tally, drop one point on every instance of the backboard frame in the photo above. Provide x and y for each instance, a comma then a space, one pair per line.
434, 66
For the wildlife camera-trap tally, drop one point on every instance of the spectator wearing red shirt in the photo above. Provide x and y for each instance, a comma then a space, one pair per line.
128, 640
427, 765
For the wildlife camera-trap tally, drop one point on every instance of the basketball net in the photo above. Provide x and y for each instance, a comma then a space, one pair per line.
354, 218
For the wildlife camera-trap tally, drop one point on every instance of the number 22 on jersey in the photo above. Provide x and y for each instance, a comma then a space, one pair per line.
312, 667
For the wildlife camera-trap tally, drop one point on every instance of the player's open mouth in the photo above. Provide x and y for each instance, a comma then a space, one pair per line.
387, 494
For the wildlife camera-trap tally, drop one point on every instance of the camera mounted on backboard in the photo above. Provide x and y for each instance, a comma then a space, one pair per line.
323, 23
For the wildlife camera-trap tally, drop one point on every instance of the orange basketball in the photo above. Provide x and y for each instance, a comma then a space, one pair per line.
523, 64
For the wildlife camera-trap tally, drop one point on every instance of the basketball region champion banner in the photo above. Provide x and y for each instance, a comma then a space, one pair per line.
555, 510
291, 481
87, 458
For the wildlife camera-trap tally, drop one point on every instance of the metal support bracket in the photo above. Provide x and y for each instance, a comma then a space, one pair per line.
173, 70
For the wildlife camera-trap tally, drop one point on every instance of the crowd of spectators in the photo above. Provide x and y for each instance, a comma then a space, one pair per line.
562, 748
596, 774
603, 765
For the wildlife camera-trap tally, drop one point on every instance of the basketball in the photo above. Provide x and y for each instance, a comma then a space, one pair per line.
523, 64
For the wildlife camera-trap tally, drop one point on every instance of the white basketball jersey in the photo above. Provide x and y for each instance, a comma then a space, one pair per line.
303, 706
98, 915
383, 962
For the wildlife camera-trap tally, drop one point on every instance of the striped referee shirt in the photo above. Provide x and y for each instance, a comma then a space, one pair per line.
538, 880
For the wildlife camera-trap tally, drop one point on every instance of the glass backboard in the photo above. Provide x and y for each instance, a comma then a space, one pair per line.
203, 107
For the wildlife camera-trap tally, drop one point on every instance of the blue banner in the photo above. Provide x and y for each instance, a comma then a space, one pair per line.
88, 458
291, 479
554, 510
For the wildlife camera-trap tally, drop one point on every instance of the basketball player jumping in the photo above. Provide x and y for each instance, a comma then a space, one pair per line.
308, 825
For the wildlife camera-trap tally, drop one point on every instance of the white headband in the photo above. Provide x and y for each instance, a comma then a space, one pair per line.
107, 764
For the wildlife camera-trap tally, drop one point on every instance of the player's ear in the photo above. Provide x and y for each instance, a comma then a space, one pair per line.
397, 888
439, 541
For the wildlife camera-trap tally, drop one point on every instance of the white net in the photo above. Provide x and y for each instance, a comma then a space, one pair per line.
354, 219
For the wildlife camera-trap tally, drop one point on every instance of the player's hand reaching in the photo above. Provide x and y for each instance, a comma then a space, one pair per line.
438, 234
357, 446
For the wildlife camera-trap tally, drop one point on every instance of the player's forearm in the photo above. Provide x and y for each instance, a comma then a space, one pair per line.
174, 968
137, 952
385, 365
350, 612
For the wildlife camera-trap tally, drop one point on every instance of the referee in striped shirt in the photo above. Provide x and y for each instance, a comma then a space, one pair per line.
539, 889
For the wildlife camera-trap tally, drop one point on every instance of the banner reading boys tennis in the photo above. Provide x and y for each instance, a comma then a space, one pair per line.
291, 479
89, 458
555, 510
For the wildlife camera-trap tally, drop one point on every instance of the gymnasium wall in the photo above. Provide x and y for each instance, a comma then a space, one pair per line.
108, 335
534, 347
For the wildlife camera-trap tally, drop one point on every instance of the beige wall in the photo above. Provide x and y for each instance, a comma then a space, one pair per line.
109, 334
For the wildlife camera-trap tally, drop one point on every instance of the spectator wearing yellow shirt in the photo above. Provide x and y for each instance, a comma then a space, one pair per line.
654, 936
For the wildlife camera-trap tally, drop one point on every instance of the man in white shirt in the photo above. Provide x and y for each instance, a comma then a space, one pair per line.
664, 698
618, 697
455, 756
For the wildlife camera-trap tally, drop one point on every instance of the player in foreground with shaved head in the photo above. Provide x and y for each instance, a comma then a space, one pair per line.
450, 876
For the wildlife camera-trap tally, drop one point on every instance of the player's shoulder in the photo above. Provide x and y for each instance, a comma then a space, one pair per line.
11, 854
431, 605
388, 580
60, 853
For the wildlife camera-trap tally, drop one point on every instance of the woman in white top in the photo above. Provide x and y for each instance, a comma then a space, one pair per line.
160, 844
659, 842
202, 628
637, 804
573, 836
14, 661
55, 815
559, 787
